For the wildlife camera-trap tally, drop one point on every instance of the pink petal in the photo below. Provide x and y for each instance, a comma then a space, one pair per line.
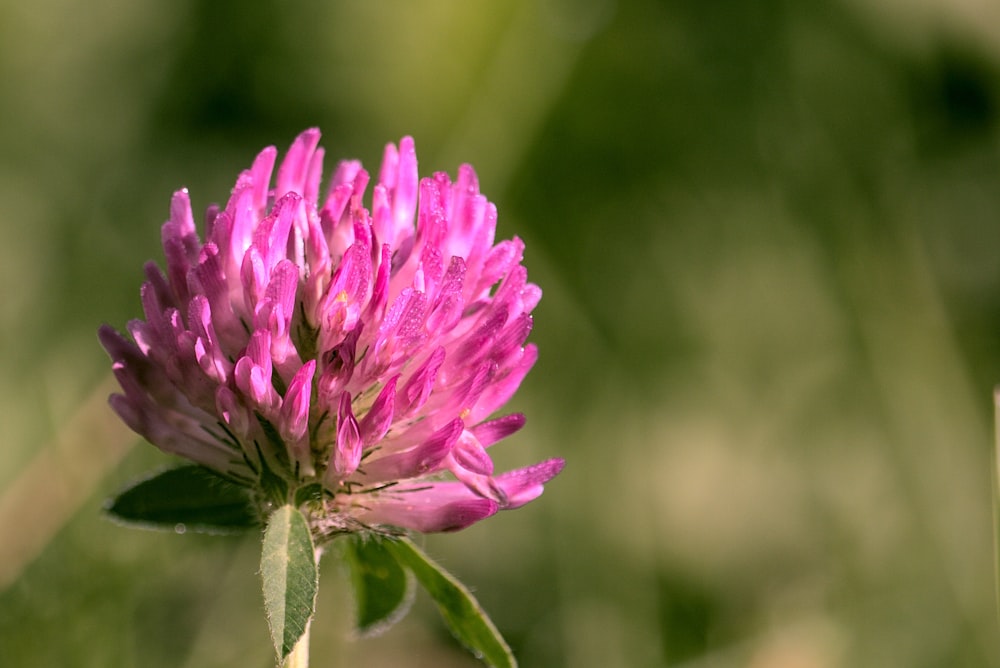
253, 372
497, 394
258, 179
208, 353
429, 509
490, 432
417, 461
295, 405
526, 484
470, 454
347, 451
418, 388
337, 368
377, 421
294, 172
232, 411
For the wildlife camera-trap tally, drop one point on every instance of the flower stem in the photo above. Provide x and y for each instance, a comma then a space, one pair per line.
299, 656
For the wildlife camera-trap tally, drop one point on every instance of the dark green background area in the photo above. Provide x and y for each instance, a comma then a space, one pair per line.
768, 234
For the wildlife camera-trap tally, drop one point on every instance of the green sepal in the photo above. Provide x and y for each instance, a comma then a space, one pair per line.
308, 493
186, 498
290, 577
273, 485
383, 589
462, 613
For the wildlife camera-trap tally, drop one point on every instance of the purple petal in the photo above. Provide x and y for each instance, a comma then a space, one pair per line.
294, 418
377, 421
418, 388
526, 484
470, 454
173, 432
337, 369
530, 297
492, 431
501, 259
429, 509
180, 244
294, 172
347, 451
417, 461
253, 372
232, 411
207, 351
254, 277
497, 394
404, 191
257, 180
295, 405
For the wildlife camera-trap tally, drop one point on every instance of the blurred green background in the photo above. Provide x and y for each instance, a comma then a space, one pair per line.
769, 239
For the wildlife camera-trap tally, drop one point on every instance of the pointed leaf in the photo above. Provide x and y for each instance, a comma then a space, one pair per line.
383, 589
463, 614
288, 568
187, 498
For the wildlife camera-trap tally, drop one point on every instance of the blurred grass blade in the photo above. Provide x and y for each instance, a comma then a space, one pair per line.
288, 568
996, 496
86, 447
186, 498
383, 589
463, 614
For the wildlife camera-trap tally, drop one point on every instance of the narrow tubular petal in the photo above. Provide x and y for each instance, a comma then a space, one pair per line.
418, 388
208, 352
337, 369
174, 433
377, 421
526, 484
253, 373
470, 454
209, 278
295, 406
347, 451
429, 509
417, 461
258, 179
128, 357
294, 172
294, 418
233, 413
503, 388
490, 432
404, 190
180, 244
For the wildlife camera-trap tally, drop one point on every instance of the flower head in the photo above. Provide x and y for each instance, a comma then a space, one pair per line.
314, 344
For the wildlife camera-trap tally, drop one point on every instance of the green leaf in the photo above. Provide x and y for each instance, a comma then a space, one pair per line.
383, 589
463, 614
187, 498
288, 568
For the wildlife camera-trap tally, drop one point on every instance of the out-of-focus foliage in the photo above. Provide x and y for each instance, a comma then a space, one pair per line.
769, 239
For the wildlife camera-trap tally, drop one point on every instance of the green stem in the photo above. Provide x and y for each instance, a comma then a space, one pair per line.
299, 656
